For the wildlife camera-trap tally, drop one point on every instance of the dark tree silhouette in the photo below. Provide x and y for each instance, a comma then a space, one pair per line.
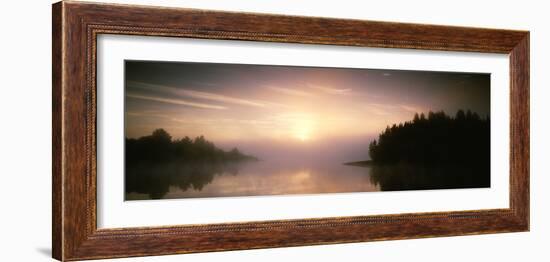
437, 139
436, 152
156, 162
160, 147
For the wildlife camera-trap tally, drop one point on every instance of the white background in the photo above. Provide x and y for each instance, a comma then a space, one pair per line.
25, 136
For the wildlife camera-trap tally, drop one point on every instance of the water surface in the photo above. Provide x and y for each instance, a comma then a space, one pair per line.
261, 178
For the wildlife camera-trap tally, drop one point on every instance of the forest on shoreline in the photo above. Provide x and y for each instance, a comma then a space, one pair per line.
159, 147
434, 139
434, 152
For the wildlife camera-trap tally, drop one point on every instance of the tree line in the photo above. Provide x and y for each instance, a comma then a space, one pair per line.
159, 147
435, 139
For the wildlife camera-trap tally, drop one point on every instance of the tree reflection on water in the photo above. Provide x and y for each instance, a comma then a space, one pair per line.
416, 177
155, 179
156, 162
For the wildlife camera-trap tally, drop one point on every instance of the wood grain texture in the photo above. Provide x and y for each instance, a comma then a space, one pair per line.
57, 215
519, 129
76, 27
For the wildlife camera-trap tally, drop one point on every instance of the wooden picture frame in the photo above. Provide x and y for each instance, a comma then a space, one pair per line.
75, 28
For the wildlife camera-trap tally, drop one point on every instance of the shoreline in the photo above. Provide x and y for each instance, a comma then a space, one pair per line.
360, 163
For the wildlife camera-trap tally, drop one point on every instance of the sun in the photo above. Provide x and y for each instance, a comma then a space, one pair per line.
303, 134
301, 127
303, 137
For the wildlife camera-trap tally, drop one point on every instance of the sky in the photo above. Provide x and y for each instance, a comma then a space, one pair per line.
264, 108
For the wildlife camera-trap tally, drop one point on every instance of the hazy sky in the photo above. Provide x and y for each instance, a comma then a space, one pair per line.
232, 104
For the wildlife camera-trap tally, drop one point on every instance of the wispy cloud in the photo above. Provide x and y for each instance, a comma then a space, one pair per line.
413, 109
199, 94
177, 102
219, 98
330, 90
289, 91
379, 109
388, 109
167, 117
256, 123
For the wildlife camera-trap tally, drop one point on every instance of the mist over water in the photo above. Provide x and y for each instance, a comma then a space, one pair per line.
310, 167
333, 150
270, 177
273, 177
448, 153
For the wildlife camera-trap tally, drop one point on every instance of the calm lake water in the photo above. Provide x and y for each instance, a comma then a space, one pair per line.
256, 178
260, 178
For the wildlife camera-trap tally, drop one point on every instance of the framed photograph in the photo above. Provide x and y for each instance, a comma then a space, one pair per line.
182, 130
